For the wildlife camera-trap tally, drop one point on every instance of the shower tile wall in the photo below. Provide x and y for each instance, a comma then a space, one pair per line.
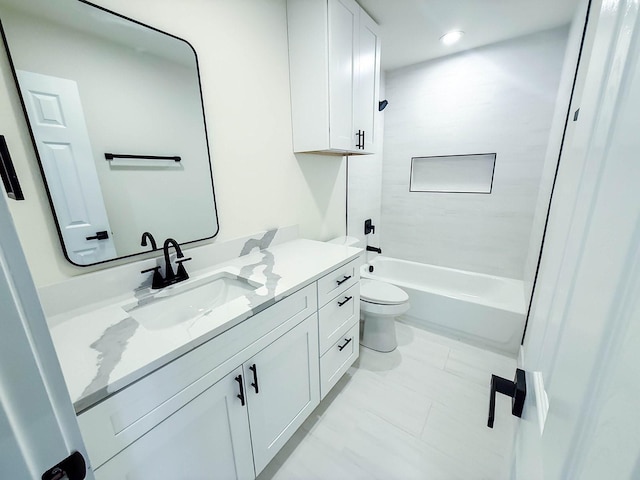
498, 98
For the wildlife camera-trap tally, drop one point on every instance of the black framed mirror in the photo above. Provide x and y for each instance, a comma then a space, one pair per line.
116, 115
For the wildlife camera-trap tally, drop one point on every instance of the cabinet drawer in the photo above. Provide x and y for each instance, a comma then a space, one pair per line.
337, 316
115, 423
337, 360
337, 281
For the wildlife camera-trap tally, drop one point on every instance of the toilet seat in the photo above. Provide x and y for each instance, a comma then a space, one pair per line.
381, 293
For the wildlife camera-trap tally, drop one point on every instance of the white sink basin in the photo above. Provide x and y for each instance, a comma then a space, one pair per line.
189, 300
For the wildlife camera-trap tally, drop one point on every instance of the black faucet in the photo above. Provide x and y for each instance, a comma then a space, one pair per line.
374, 249
169, 276
143, 241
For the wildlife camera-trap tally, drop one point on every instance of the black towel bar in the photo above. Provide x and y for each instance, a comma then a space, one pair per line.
111, 156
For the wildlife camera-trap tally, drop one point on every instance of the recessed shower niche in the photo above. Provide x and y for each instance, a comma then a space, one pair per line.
453, 173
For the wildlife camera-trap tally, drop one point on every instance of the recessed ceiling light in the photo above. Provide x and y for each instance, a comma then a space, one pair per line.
451, 37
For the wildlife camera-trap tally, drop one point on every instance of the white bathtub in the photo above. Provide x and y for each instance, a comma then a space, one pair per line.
481, 309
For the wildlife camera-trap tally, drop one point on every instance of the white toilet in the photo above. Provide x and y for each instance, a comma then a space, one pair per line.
380, 303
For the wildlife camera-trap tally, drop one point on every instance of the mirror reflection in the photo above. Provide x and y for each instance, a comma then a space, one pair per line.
116, 115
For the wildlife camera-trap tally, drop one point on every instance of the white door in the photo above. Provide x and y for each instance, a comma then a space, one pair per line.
207, 438
343, 24
38, 427
368, 85
283, 388
57, 121
584, 334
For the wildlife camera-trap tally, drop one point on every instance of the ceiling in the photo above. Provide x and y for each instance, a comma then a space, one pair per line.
410, 29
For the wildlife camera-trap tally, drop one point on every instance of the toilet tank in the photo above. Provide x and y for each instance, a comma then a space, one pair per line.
347, 241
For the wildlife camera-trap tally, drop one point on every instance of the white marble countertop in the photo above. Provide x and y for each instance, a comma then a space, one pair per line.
102, 349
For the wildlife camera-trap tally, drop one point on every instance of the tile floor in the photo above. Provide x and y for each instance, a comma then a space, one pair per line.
419, 412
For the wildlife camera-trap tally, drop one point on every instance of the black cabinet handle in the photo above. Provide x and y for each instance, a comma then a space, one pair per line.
358, 144
346, 277
103, 235
362, 142
241, 394
346, 299
341, 347
254, 369
516, 389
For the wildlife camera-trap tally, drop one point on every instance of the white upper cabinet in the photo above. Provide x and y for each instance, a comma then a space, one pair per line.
334, 62
368, 86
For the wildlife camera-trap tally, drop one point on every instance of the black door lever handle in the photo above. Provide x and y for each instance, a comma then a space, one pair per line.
103, 235
516, 389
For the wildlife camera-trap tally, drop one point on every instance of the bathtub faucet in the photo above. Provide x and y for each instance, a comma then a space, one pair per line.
373, 249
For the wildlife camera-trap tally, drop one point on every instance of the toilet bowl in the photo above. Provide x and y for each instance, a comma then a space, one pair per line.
380, 304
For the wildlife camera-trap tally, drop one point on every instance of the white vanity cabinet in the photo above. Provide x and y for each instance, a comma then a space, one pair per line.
235, 425
194, 399
225, 408
334, 64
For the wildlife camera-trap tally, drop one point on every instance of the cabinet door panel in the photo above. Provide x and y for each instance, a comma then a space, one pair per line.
367, 91
289, 389
343, 20
207, 438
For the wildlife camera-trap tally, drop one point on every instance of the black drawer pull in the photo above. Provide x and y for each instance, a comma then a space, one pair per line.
254, 369
346, 299
241, 394
341, 347
103, 235
346, 277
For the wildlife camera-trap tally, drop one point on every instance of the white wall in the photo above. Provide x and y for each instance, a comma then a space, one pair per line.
498, 98
259, 182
